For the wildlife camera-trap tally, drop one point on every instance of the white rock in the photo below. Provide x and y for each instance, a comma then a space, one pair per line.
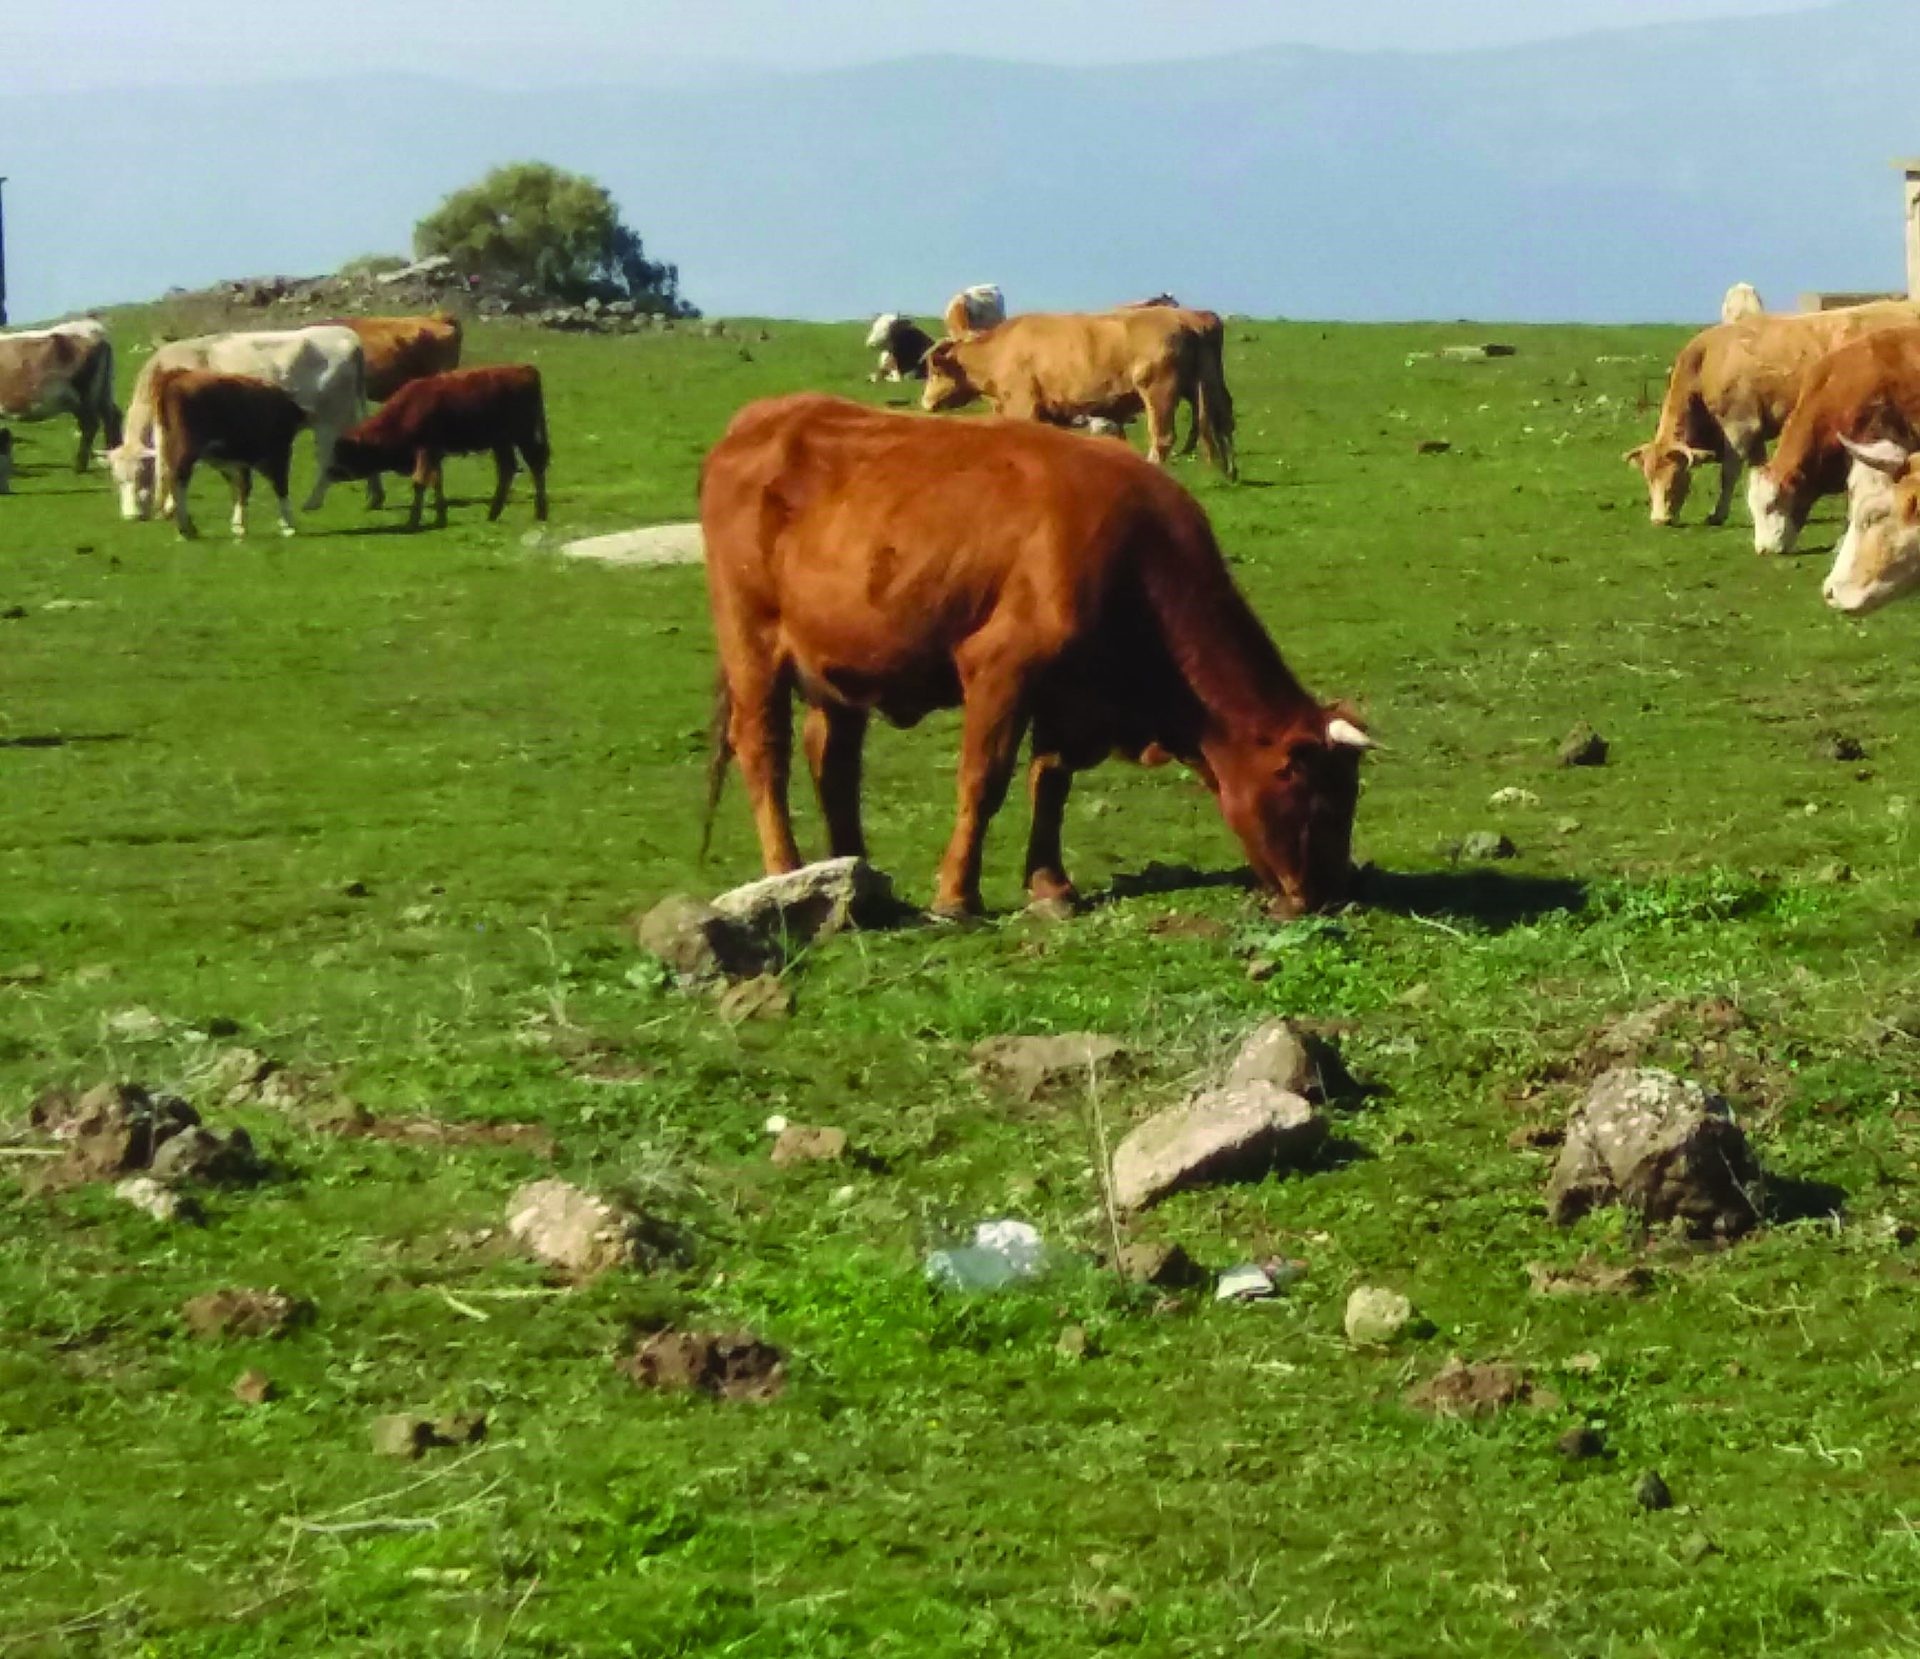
1226, 1134
1375, 1317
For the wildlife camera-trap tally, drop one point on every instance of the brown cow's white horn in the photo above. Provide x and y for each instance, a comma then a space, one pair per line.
1346, 732
1883, 455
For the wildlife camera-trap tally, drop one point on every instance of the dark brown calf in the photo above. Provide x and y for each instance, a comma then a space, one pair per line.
465, 412
232, 422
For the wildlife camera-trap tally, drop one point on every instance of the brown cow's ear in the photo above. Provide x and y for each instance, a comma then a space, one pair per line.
1634, 456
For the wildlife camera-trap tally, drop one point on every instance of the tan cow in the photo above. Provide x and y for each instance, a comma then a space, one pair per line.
1731, 390
1868, 388
64, 370
400, 349
1740, 302
1065, 367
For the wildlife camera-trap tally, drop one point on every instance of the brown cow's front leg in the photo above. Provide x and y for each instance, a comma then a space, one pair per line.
835, 736
1049, 781
179, 475
761, 733
504, 467
241, 478
88, 426
994, 722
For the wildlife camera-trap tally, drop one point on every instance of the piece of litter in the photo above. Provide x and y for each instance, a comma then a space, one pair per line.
1246, 1283
1002, 1253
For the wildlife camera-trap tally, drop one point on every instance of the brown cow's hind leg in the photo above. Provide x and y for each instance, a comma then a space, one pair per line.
835, 736
504, 467
762, 737
241, 480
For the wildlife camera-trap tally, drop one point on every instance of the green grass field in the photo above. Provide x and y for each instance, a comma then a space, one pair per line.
382, 806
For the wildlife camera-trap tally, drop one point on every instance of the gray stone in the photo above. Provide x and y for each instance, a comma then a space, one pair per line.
699, 943
1663, 1146
1476, 354
571, 1230
1485, 845
1276, 1053
202, 1154
1225, 1134
1375, 1316
1163, 1266
808, 903
1653, 1492
799, 1144
1583, 747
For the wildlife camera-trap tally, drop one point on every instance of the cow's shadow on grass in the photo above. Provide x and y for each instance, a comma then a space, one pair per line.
61, 740
1791, 1198
1489, 899
1157, 878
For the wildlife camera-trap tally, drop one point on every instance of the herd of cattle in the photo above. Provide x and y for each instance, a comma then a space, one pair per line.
238, 400
1050, 585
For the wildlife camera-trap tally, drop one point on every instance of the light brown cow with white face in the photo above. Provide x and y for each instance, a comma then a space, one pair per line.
64, 370
1878, 559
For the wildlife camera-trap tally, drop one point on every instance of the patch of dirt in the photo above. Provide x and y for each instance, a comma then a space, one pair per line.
1030, 1066
250, 1313
355, 1122
732, 1366
1588, 1277
111, 1130
1458, 1389
1177, 926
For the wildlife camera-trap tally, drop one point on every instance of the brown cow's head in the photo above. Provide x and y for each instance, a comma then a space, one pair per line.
947, 384
1878, 558
1668, 470
355, 458
1291, 800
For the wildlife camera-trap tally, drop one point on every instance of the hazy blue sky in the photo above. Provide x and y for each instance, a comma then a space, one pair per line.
68, 43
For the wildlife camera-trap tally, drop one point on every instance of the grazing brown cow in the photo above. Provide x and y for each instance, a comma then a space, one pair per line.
462, 413
400, 349
1878, 559
234, 423
1060, 367
1868, 388
874, 561
63, 370
1731, 390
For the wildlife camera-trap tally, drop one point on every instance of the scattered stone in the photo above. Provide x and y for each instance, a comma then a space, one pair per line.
812, 902
24, 973
247, 1313
1512, 796
1696, 1548
1461, 1390
1260, 969
1375, 1316
1434, 446
401, 1434
570, 1229
735, 1366
1249, 1282
698, 943
148, 1196
656, 544
1485, 845
1833, 873
113, 1128
1225, 1134
1567, 826
136, 1025
1588, 1277
1030, 1066
463, 1428
201, 1154
1583, 747
1584, 1363
1277, 1054
1663, 1146
1075, 1343
1163, 1266
254, 1388
1580, 1444
797, 1144
1652, 1492
1476, 354
763, 997
1839, 746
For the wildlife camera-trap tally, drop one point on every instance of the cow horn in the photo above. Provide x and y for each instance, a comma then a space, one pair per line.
1343, 731
1883, 455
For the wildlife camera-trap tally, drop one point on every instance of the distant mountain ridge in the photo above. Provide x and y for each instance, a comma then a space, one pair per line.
1625, 176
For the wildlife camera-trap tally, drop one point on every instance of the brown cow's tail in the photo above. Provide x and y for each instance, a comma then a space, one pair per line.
719, 756
1213, 410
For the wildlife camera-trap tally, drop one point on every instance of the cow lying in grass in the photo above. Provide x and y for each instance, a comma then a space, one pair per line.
467, 412
236, 424
883, 563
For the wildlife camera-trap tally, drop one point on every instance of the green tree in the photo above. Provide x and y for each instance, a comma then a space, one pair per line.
560, 233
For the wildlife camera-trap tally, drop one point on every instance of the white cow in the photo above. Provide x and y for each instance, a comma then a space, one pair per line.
63, 370
1741, 301
976, 308
322, 369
